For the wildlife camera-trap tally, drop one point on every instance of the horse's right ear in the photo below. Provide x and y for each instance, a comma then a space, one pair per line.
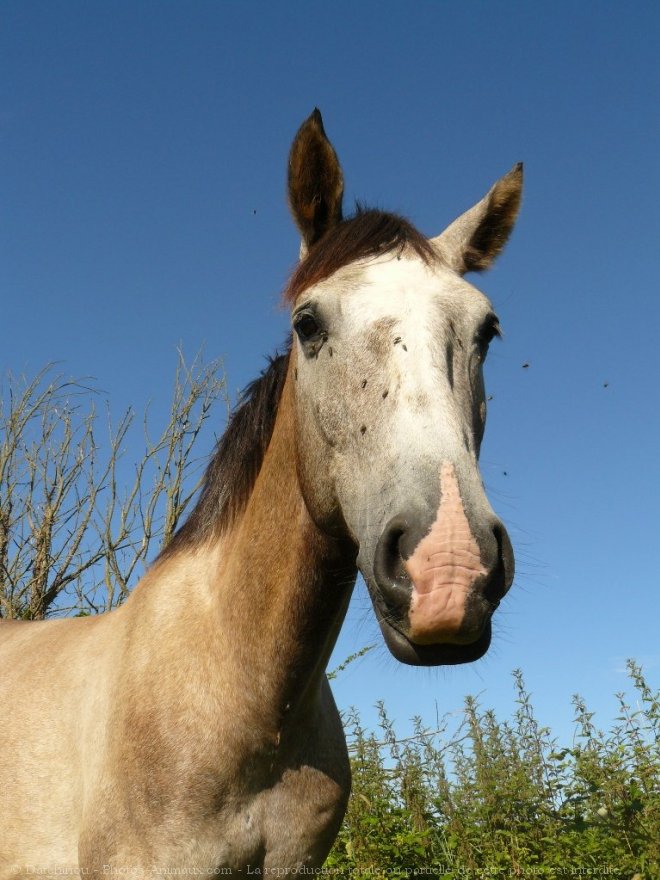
471, 243
316, 183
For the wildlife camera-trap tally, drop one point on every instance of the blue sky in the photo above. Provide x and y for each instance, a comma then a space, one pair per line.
143, 148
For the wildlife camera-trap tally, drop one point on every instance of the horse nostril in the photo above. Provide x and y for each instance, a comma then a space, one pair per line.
502, 575
392, 552
389, 569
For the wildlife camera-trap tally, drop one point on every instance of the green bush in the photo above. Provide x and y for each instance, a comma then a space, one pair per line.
502, 798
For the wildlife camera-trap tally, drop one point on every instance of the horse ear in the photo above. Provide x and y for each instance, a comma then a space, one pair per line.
471, 243
316, 183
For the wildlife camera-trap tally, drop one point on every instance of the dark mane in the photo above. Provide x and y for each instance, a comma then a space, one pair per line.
237, 459
368, 233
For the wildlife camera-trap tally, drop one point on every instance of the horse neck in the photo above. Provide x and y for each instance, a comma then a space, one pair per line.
275, 586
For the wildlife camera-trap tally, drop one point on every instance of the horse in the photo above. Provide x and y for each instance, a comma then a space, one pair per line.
192, 729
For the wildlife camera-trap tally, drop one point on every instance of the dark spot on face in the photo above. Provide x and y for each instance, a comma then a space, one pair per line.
385, 393
404, 347
295, 374
364, 383
330, 350
363, 429
397, 340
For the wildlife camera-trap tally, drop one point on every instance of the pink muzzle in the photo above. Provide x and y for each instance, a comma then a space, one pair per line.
443, 569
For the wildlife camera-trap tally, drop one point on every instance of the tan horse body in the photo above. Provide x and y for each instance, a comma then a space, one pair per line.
192, 730
194, 725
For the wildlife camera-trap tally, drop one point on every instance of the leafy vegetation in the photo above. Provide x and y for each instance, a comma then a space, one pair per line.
502, 798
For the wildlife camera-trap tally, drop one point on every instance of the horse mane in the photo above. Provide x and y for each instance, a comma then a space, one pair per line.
239, 454
237, 460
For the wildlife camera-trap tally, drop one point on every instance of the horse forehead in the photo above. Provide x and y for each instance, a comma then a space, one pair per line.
406, 289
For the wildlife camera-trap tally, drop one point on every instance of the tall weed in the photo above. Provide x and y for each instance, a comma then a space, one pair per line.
490, 798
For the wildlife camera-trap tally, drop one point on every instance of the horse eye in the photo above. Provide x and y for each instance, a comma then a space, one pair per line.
487, 333
306, 326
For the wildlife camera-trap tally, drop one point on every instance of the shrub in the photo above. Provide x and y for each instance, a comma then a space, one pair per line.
503, 798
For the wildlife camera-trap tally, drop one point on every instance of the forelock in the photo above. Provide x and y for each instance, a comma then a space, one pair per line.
367, 234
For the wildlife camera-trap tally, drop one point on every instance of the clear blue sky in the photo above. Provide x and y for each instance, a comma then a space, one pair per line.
143, 150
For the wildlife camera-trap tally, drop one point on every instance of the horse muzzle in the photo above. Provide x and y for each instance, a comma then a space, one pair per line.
435, 587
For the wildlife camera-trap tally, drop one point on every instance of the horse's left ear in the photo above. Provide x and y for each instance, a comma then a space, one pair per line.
471, 243
316, 183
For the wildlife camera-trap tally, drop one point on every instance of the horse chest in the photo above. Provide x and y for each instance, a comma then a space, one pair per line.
217, 806
292, 819
297, 796
301, 816
285, 827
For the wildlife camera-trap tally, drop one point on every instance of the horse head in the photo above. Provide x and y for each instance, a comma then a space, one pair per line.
389, 344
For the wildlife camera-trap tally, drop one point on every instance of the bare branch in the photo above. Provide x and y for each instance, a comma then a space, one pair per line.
70, 539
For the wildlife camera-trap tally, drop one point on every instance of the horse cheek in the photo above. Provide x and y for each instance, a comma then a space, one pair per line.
315, 467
